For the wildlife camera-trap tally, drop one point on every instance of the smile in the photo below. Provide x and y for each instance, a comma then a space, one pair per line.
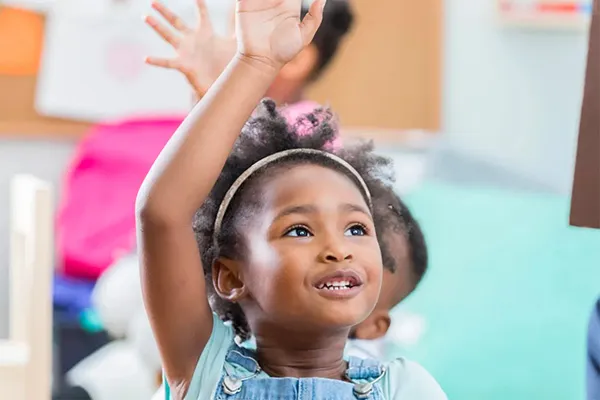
339, 285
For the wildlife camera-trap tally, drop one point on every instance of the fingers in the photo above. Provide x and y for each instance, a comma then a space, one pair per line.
311, 22
162, 62
170, 17
231, 30
162, 31
171, 63
203, 14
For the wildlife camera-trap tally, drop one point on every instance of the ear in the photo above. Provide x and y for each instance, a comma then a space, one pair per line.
302, 65
227, 280
375, 326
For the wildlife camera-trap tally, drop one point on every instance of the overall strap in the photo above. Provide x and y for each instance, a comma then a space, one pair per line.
240, 365
364, 369
242, 357
364, 373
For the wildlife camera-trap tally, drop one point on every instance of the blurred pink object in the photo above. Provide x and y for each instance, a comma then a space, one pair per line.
96, 219
297, 110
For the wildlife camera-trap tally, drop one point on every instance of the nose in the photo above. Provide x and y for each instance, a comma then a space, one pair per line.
335, 250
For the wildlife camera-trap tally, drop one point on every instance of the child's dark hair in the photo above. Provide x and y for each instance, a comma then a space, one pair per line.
419, 256
265, 134
337, 22
400, 220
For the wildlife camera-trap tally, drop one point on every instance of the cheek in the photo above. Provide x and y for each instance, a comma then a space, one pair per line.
270, 275
262, 254
263, 262
374, 267
276, 276
262, 258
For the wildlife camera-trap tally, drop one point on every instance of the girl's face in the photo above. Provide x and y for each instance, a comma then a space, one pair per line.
314, 261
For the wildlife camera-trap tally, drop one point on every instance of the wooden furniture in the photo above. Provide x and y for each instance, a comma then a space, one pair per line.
585, 201
26, 357
388, 73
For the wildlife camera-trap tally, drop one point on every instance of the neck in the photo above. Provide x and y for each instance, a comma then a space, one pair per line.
287, 353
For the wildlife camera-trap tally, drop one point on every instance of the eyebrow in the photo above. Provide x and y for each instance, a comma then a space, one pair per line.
355, 208
310, 209
303, 209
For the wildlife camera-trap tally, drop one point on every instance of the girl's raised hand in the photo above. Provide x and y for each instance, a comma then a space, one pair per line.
270, 31
201, 54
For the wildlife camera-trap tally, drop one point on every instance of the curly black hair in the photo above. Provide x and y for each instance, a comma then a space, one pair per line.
419, 255
338, 19
400, 220
265, 134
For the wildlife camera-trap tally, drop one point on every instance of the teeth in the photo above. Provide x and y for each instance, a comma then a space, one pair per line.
338, 285
341, 283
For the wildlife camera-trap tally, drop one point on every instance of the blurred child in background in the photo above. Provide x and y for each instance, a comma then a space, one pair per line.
201, 54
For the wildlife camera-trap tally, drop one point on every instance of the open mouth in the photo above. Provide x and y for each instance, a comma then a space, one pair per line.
339, 283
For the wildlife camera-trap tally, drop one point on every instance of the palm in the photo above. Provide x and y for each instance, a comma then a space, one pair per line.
271, 29
201, 54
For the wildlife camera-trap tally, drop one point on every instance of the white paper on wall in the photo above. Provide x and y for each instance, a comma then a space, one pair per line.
93, 62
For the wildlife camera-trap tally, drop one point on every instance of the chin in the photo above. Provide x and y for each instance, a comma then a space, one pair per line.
339, 316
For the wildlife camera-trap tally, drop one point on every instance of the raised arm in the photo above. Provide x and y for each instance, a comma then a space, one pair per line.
269, 35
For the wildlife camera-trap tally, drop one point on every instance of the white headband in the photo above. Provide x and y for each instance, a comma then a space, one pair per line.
268, 160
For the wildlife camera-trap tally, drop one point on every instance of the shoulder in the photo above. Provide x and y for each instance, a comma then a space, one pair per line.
210, 363
407, 380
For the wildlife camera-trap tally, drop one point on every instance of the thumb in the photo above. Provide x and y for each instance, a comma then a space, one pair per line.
312, 20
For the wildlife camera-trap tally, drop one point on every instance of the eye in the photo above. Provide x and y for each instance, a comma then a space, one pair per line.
298, 231
356, 230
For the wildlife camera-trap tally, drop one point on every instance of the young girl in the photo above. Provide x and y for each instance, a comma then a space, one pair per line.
287, 240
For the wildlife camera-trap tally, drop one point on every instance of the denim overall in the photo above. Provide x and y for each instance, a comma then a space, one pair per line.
243, 380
